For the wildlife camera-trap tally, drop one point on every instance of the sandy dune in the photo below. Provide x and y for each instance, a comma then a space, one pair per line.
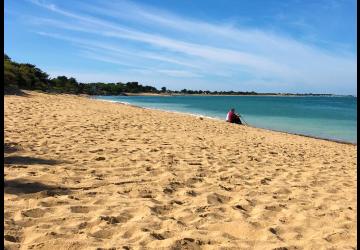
86, 174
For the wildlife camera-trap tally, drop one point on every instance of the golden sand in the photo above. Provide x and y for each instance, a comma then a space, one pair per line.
83, 174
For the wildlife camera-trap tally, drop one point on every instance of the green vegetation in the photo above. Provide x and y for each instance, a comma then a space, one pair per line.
28, 77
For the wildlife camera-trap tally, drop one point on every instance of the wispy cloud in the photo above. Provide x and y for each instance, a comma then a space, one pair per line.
178, 73
136, 68
193, 48
104, 47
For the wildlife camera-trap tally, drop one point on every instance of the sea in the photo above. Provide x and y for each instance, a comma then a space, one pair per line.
327, 117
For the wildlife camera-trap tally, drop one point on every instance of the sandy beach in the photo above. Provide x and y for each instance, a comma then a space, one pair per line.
89, 174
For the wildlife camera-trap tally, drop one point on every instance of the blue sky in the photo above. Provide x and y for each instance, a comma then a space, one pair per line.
264, 46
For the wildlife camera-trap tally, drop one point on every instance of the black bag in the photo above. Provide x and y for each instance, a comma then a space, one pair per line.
237, 119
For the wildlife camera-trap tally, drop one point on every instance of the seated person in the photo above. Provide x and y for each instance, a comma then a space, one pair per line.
233, 117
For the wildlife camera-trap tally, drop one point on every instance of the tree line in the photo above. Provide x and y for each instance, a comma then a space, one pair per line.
27, 76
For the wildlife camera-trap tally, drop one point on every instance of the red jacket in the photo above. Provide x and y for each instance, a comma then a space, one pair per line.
230, 116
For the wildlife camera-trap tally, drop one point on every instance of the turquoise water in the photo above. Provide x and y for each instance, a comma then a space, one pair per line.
325, 117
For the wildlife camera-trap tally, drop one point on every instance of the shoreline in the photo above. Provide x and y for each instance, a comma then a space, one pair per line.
273, 95
213, 118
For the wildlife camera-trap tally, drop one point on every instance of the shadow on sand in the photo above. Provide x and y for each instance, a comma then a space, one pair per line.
11, 147
12, 90
27, 160
22, 186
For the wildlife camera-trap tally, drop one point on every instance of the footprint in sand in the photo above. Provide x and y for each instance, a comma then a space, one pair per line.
173, 186
80, 209
124, 217
11, 238
338, 236
161, 209
191, 193
157, 236
193, 180
243, 208
276, 232
34, 213
275, 208
215, 199
103, 234
187, 243
58, 203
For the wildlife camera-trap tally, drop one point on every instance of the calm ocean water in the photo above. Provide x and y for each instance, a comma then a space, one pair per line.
325, 117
